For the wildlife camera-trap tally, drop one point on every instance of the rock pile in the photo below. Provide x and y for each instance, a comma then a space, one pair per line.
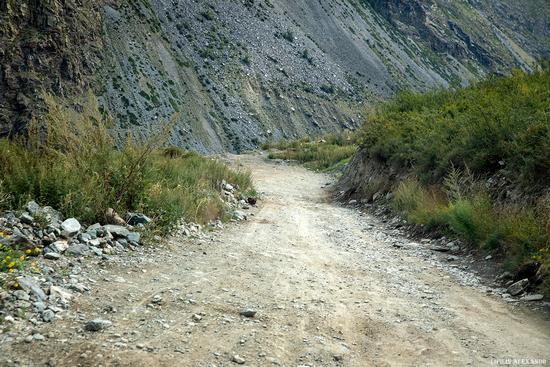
237, 205
42, 256
41, 252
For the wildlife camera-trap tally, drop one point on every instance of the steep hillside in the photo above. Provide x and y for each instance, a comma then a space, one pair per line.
237, 73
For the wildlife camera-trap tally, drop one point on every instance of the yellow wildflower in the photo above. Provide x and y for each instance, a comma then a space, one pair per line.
28, 251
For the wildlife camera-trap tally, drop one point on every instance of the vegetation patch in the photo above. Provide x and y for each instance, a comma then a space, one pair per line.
500, 124
69, 161
478, 162
327, 153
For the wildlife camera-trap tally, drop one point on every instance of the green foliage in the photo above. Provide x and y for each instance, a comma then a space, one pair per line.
69, 162
450, 140
518, 232
497, 124
328, 153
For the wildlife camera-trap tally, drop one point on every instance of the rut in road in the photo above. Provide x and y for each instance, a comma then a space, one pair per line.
328, 286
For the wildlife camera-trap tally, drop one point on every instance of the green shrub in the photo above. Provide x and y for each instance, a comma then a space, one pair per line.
497, 124
518, 232
69, 162
328, 153
451, 141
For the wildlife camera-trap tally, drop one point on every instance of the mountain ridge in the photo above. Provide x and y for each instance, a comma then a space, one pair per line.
238, 73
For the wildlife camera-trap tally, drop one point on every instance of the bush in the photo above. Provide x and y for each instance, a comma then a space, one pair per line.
328, 153
69, 162
500, 124
518, 232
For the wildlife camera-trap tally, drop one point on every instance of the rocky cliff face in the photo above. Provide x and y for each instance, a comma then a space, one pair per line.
45, 45
235, 73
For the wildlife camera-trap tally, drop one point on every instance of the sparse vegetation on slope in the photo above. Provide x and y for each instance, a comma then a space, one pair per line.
327, 153
69, 162
477, 161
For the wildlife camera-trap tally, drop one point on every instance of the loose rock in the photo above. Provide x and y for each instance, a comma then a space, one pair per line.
97, 325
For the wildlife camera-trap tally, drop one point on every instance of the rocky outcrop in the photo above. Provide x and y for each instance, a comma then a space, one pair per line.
46, 45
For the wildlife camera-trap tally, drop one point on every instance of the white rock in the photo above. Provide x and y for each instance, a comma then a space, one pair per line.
61, 246
70, 227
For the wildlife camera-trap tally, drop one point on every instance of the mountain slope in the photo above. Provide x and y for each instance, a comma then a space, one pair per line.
236, 73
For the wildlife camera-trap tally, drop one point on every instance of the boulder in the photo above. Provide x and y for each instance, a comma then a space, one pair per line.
247, 312
78, 249
26, 218
533, 297
52, 256
134, 237
117, 231
70, 227
517, 287
32, 207
31, 285
59, 246
60, 293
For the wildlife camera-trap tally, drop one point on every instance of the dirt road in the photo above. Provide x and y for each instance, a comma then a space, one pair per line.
331, 287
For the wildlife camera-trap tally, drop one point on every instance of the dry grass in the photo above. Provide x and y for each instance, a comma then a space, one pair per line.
69, 162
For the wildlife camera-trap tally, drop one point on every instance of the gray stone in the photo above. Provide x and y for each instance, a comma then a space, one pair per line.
59, 246
26, 218
78, 249
247, 312
238, 215
32, 207
134, 237
517, 287
95, 242
48, 316
117, 231
238, 359
96, 251
52, 216
70, 227
97, 325
60, 293
533, 297
38, 337
39, 306
52, 256
85, 237
21, 295
134, 219
31, 285
93, 227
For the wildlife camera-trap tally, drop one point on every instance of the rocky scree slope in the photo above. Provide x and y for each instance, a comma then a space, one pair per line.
236, 73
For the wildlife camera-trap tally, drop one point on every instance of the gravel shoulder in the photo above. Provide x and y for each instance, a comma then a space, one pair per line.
331, 287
